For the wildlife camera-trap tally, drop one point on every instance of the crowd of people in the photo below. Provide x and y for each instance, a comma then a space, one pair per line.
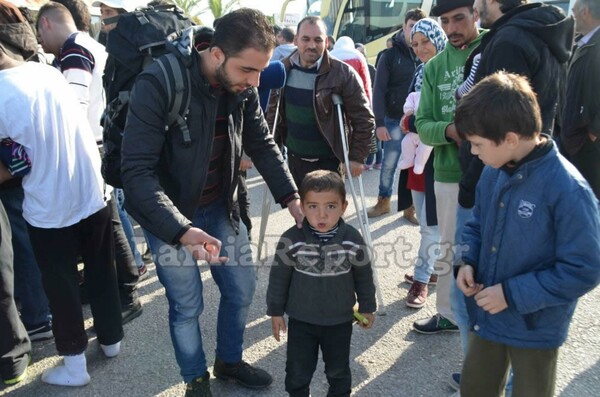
486, 108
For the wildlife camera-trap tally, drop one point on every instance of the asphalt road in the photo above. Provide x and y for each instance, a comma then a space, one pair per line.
389, 360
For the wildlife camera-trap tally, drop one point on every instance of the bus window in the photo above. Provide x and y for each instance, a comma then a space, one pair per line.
368, 20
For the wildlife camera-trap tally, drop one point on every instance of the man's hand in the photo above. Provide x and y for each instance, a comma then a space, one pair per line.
492, 299
592, 137
356, 169
382, 134
452, 133
203, 246
368, 316
296, 210
5, 175
278, 327
245, 164
465, 281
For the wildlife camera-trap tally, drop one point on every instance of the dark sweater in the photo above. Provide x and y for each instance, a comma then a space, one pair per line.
319, 283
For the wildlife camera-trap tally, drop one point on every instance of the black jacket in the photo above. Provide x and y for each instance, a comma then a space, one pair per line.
581, 111
395, 72
533, 40
163, 178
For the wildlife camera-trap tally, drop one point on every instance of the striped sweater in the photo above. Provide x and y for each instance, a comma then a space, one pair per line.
319, 283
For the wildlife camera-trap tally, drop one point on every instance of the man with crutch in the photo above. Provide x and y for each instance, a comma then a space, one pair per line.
307, 123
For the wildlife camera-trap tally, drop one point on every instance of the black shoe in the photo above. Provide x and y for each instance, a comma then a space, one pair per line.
41, 331
199, 387
434, 325
147, 256
131, 311
19, 372
243, 374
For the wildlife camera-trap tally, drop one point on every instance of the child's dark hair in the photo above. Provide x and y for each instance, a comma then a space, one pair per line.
501, 103
323, 181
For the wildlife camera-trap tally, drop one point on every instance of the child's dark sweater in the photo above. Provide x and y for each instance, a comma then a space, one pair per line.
317, 282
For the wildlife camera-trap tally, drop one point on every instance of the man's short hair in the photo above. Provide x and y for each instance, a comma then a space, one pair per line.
80, 13
593, 6
507, 5
415, 14
322, 181
54, 11
242, 29
288, 34
313, 21
501, 103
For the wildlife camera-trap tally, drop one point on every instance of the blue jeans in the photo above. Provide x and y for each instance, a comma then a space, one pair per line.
391, 155
28, 279
179, 273
127, 227
430, 240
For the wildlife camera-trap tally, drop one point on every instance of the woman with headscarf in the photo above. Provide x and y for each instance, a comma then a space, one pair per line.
427, 39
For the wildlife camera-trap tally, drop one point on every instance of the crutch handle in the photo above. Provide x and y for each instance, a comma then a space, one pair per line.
337, 99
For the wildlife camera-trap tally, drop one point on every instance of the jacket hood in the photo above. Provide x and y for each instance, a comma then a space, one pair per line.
18, 40
344, 49
398, 39
546, 22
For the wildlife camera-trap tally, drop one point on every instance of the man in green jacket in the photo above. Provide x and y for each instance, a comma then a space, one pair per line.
443, 74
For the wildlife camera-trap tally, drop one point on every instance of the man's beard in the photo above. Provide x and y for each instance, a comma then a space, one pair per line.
224, 80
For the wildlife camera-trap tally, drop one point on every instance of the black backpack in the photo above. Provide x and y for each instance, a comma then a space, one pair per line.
140, 38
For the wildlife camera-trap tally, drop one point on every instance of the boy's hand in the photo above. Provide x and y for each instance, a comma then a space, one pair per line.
466, 282
368, 316
278, 326
492, 299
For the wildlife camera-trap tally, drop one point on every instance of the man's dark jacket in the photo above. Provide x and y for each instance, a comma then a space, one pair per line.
163, 177
581, 111
395, 72
533, 40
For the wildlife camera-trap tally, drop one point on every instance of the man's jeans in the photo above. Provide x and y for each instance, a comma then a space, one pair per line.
180, 275
391, 155
430, 241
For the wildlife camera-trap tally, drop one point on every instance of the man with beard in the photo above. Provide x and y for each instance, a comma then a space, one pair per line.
183, 191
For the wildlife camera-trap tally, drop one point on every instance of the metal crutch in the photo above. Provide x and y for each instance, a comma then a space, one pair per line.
361, 211
266, 206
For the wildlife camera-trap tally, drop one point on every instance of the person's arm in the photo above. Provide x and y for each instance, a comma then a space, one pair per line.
360, 117
363, 276
577, 267
77, 65
280, 277
382, 77
143, 140
431, 131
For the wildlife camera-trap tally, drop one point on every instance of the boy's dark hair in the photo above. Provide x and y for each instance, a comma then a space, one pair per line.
242, 29
501, 103
313, 21
288, 34
415, 14
322, 181
80, 13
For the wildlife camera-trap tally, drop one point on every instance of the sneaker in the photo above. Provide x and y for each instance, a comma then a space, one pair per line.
243, 374
40, 332
377, 166
368, 167
409, 278
147, 256
199, 387
143, 273
417, 295
454, 381
434, 325
131, 311
21, 372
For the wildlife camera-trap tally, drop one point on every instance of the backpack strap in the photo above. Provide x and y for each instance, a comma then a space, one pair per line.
179, 93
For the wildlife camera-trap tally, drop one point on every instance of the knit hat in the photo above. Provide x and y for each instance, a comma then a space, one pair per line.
443, 6
433, 31
16, 36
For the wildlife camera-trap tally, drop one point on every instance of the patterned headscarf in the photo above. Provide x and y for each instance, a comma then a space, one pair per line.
433, 31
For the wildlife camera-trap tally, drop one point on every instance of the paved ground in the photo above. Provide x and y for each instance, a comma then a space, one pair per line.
389, 360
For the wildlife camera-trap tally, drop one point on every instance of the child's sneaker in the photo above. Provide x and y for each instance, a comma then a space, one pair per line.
377, 166
417, 295
40, 332
434, 325
455, 381
20, 373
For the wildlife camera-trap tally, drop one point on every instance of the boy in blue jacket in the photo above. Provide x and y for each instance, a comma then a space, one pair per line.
532, 247
319, 273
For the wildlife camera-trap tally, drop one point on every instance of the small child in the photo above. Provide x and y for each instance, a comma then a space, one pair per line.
319, 273
532, 247
414, 152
